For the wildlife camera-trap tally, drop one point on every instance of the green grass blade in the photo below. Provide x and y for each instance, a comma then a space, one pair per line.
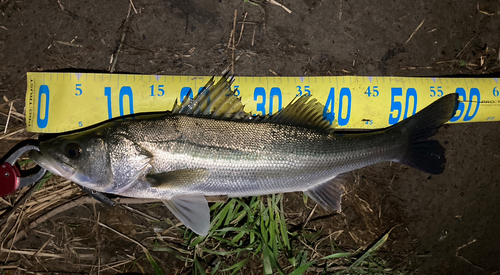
372, 250
222, 240
26, 161
239, 216
220, 217
163, 249
198, 268
215, 206
225, 253
231, 212
304, 198
302, 268
197, 240
303, 259
216, 268
238, 237
266, 260
236, 267
153, 263
238, 229
44, 180
338, 255
283, 228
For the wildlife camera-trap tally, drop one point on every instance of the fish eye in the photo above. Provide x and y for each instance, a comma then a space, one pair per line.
73, 150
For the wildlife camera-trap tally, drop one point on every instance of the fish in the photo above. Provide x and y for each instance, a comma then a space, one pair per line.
209, 146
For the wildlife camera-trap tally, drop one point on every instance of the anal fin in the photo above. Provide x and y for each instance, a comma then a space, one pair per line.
192, 211
328, 194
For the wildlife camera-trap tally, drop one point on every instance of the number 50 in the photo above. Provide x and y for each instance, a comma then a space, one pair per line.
398, 106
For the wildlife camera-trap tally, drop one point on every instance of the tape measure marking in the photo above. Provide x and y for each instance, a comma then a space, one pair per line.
58, 102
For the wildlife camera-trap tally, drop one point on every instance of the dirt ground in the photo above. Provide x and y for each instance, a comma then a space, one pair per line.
446, 224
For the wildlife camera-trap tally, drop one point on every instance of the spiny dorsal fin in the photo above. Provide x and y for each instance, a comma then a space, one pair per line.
215, 101
303, 112
219, 101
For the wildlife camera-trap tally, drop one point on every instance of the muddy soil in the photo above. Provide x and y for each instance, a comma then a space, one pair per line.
445, 224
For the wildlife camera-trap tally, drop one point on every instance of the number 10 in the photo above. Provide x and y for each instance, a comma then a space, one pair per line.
124, 91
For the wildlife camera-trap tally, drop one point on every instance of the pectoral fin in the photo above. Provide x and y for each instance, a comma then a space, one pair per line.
177, 178
328, 194
192, 211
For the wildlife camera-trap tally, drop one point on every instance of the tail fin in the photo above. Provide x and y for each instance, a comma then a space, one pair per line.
421, 153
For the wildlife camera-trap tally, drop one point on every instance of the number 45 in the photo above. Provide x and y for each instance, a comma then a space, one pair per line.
373, 93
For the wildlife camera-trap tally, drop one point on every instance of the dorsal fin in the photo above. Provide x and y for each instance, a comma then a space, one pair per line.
220, 102
215, 101
303, 112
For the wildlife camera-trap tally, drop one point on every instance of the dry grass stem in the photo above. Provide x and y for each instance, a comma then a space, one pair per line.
340, 10
140, 213
114, 57
13, 115
242, 27
7, 102
466, 45
133, 6
145, 250
59, 193
279, 5
312, 249
233, 36
71, 204
447, 61
415, 31
309, 217
60, 5
13, 133
329, 236
135, 201
31, 253
44, 233
17, 225
43, 246
8, 213
8, 266
356, 239
51, 214
8, 118
68, 44
465, 259
247, 22
117, 264
365, 204
2, 200
482, 11
98, 246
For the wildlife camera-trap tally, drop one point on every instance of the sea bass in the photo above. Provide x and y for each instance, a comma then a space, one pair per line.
208, 146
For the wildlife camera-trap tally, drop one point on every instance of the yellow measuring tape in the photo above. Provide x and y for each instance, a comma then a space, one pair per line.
59, 102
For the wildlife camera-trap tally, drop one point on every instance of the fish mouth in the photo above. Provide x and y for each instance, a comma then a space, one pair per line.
46, 161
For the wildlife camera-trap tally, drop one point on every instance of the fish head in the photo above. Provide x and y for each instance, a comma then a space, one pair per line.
81, 158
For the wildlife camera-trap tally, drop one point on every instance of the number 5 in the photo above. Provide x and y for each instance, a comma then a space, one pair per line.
79, 89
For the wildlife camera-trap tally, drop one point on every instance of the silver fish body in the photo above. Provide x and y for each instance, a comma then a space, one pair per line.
241, 159
183, 156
